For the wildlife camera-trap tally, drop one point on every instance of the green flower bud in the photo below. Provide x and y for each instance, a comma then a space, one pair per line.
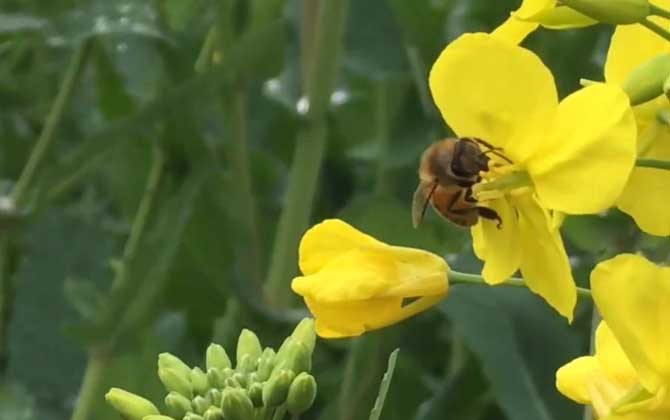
199, 381
236, 405
214, 395
170, 361
232, 383
265, 364
295, 356
177, 404
157, 417
242, 379
213, 413
305, 333
248, 344
247, 363
301, 394
275, 390
193, 416
129, 405
256, 394
666, 87
176, 381
646, 82
215, 378
216, 357
616, 12
201, 404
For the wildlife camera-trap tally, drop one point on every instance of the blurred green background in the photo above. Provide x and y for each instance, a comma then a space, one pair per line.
237, 124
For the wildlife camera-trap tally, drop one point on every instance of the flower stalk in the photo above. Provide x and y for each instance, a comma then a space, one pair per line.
653, 163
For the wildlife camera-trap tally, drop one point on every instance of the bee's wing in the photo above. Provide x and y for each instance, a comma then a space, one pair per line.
420, 201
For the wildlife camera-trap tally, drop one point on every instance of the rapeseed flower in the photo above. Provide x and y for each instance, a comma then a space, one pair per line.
628, 377
631, 46
572, 157
353, 283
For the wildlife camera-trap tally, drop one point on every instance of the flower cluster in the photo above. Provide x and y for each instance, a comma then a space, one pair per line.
263, 382
538, 158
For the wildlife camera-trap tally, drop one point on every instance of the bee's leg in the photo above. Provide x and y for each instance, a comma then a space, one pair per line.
468, 196
490, 214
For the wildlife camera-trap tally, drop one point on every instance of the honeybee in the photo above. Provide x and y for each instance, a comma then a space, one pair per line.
447, 173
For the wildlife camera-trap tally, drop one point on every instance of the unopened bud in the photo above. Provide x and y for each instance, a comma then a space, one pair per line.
256, 394
247, 363
176, 381
129, 405
301, 394
193, 416
157, 417
666, 89
265, 364
236, 405
646, 82
170, 361
201, 404
615, 12
305, 333
248, 344
214, 395
215, 378
276, 388
242, 379
232, 383
199, 381
177, 404
295, 356
216, 357
213, 413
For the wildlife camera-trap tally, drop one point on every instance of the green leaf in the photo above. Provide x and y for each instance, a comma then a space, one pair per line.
16, 403
384, 386
520, 342
18, 23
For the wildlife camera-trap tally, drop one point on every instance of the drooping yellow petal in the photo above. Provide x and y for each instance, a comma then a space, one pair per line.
488, 88
544, 262
324, 242
514, 30
645, 194
632, 45
498, 247
583, 166
349, 319
633, 296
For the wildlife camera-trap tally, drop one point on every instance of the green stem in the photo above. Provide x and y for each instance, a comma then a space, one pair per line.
382, 136
456, 277
280, 412
658, 30
204, 60
659, 11
653, 163
53, 118
90, 391
309, 152
6, 299
595, 321
98, 357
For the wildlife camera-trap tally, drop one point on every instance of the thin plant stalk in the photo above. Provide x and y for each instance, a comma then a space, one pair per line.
309, 151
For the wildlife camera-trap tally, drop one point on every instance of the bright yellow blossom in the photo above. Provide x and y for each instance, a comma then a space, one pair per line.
628, 378
353, 283
573, 157
642, 198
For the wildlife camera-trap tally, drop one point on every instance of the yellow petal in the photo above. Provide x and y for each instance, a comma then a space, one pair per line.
573, 379
362, 274
347, 319
514, 30
561, 17
544, 262
329, 239
488, 88
505, 252
583, 165
633, 296
632, 45
613, 360
642, 198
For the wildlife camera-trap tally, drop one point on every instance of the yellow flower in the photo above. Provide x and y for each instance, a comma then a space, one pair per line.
573, 157
532, 13
353, 283
642, 198
628, 378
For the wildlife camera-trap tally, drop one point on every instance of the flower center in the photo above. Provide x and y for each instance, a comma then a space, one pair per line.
500, 180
